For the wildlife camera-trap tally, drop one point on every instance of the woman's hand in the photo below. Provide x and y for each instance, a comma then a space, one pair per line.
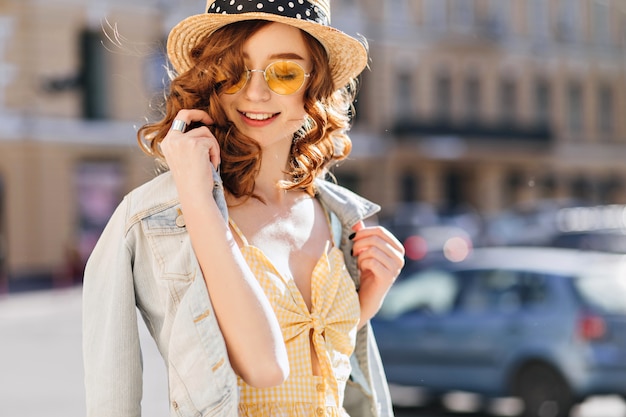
189, 154
380, 258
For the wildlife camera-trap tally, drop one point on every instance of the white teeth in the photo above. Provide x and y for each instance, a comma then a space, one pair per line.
258, 116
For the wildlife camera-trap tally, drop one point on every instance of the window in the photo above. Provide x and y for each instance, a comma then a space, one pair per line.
542, 102
454, 189
396, 12
539, 19
601, 20
444, 96
473, 100
513, 183
605, 109
609, 189
94, 76
408, 185
436, 14
508, 101
582, 189
425, 292
489, 290
404, 86
569, 27
463, 14
501, 290
575, 107
500, 16
547, 186
603, 289
534, 288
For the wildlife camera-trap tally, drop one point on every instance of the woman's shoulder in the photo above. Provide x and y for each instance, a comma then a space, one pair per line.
157, 194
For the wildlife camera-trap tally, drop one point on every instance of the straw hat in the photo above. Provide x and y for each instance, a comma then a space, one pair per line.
347, 55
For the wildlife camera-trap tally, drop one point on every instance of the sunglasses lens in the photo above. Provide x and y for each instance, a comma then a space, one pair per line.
284, 77
239, 85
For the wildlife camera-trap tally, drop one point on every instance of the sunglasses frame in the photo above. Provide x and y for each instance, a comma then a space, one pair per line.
249, 72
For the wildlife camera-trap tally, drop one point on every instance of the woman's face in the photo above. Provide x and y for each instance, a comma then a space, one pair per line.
257, 111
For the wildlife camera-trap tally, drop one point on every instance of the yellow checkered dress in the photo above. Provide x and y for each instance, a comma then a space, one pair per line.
331, 325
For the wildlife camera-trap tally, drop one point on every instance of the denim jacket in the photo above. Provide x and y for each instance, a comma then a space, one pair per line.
144, 261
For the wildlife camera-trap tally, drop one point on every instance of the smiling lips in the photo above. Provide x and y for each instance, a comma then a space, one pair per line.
259, 116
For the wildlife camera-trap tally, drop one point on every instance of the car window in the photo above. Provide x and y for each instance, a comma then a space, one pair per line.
605, 291
428, 292
490, 290
498, 290
534, 289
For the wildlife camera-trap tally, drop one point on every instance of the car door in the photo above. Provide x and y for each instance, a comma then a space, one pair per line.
408, 324
480, 331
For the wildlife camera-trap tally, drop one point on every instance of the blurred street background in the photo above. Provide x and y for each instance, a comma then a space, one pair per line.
480, 123
41, 363
41, 358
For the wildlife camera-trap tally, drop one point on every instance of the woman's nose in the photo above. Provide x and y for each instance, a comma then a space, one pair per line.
257, 89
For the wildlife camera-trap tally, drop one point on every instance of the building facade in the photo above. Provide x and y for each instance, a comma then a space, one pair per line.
467, 103
488, 104
75, 80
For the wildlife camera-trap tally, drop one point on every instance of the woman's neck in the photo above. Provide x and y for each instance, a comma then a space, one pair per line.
273, 171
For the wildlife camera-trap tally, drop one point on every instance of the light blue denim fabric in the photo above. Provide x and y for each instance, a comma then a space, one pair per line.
144, 260
367, 392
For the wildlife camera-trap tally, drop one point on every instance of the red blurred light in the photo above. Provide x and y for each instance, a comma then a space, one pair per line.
591, 327
415, 247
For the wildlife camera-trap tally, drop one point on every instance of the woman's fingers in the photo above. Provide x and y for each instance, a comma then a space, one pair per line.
204, 133
190, 116
180, 144
378, 251
377, 236
381, 262
380, 258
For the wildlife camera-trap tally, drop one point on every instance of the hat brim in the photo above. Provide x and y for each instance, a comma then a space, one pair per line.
347, 55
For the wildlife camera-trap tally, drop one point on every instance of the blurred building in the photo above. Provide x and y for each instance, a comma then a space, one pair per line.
478, 103
75, 80
490, 103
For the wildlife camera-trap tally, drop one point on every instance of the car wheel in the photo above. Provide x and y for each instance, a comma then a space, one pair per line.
543, 391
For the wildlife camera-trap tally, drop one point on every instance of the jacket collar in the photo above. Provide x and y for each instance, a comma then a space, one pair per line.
349, 207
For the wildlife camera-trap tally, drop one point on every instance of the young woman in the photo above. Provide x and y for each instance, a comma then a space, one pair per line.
263, 96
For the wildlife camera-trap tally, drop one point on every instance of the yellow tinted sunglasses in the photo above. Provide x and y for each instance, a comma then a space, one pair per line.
282, 77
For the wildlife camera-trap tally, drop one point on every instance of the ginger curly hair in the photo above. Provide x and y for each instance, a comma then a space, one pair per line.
218, 60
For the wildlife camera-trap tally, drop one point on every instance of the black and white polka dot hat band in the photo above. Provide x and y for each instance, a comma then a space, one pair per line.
347, 55
299, 9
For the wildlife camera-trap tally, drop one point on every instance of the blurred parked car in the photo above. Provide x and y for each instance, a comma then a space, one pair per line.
598, 228
525, 225
545, 325
604, 240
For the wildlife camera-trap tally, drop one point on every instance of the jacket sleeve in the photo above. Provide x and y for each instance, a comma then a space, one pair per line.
111, 350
